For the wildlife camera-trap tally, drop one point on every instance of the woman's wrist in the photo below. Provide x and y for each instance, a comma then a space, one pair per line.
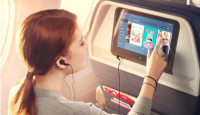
156, 77
152, 79
148, 90
149, 80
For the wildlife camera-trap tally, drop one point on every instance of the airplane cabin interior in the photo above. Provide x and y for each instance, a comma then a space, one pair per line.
119, 34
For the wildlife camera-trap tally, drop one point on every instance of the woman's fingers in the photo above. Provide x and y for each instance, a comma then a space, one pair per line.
156, 63
158, 46
161, 54
149, 54
164, 58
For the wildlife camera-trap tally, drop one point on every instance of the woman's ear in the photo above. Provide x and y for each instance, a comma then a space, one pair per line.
60, 65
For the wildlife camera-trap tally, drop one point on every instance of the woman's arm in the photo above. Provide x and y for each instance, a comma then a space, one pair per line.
147, 90
156, 63
155, 66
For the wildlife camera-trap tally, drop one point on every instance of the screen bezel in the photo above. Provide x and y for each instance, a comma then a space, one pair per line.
123, 53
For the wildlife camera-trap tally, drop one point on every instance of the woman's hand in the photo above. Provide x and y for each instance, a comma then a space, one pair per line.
156, 63
155, 66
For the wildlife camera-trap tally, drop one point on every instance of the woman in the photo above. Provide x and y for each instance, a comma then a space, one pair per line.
47, 40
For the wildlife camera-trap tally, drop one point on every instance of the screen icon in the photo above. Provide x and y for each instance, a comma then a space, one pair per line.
164, 27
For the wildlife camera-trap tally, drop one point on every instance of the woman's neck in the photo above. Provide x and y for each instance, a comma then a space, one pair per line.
51, 80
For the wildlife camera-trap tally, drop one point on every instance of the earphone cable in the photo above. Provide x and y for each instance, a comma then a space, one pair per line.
69, 89
73, 82
119, 81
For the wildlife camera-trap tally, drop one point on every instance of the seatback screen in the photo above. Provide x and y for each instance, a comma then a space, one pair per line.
135, 32
139, 33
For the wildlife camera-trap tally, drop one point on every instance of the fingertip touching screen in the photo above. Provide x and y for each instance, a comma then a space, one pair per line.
135, 32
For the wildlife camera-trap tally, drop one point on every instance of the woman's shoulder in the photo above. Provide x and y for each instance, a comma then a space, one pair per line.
48, 99
73, 105
81, 108
53, 102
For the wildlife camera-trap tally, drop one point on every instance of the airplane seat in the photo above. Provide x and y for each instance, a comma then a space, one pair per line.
101, 102
176, 94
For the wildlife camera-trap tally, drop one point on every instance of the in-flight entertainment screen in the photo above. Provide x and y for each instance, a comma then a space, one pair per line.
136, 32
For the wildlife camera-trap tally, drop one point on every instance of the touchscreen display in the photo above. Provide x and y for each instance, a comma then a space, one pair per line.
139, 33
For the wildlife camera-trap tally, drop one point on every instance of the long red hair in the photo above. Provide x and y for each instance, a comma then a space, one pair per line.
44, 36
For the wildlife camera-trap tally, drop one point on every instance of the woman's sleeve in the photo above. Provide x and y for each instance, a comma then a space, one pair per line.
142, 106
90, 109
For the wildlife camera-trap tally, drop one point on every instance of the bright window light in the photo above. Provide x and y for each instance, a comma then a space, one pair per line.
4, 23
7, 33
82, 8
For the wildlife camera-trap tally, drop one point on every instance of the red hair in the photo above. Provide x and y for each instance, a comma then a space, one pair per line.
44, 36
